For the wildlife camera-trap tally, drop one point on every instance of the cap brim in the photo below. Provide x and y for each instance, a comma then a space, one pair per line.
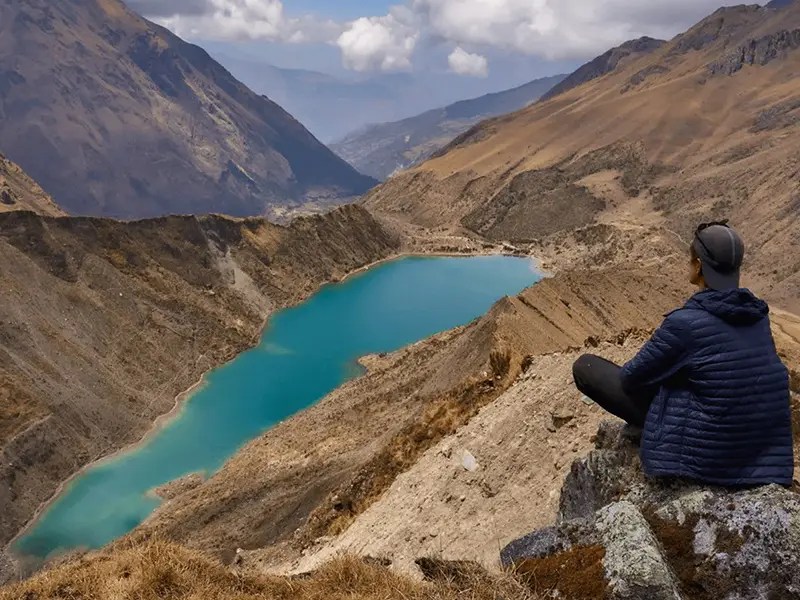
720, 281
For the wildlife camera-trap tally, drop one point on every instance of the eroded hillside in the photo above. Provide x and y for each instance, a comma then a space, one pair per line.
702, 127
103, 323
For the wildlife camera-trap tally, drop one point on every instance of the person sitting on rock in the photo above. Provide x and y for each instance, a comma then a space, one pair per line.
708, 392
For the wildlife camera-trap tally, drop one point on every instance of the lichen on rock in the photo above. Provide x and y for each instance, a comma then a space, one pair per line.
670, 539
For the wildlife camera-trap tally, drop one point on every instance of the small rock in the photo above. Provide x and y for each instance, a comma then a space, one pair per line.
561, 417
469, 462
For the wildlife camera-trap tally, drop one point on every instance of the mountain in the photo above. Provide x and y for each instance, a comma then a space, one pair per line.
620, 148
380, 150
604, 64
20, 192
116, 116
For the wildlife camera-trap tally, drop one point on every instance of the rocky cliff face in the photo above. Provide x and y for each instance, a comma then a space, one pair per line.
115, 116
758, 52
620, 535
104, 322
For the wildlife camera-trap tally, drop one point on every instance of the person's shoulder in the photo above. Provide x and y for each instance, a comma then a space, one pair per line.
684, 316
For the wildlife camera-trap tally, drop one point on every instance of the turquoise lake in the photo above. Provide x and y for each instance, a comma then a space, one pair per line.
305, 353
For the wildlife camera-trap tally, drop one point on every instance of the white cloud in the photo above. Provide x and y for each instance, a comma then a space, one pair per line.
557, 29
466, 63
552, 29
384, 43
248, 20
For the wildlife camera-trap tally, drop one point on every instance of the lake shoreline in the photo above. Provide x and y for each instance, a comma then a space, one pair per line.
183, 397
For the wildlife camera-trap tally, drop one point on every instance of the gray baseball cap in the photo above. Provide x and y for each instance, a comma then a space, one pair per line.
721, 252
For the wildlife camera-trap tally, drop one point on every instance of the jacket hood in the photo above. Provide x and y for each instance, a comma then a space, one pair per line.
737, 307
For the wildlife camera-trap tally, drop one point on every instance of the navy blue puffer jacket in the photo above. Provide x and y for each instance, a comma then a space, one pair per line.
721, 414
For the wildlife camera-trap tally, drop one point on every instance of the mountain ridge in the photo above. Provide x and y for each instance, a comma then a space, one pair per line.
381, 149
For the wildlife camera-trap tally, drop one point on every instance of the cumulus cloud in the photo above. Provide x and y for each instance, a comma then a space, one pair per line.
466, 63
556, 29
238, 20
385, 43
168, 8
552, 29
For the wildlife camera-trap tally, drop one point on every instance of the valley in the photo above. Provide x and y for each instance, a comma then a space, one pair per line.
304, 353
383, 149
451, 447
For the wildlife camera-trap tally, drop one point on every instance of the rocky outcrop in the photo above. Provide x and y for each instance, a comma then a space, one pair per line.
536, 204
661, 540
760, 51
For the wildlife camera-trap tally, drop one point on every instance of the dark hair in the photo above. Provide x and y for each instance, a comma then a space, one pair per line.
693, 252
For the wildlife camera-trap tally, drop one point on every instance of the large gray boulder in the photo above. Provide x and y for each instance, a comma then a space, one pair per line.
661, 540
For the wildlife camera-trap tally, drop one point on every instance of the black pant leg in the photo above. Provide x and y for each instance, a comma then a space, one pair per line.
599, 379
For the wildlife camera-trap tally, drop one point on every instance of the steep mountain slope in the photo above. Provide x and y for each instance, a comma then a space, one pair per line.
704, 127
605, 64
20, 192
104, 322
380, 150
115, 116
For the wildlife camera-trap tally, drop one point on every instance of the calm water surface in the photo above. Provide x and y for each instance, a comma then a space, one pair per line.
305, 353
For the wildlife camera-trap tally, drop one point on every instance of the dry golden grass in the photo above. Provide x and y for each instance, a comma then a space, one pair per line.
443, 417
159, 570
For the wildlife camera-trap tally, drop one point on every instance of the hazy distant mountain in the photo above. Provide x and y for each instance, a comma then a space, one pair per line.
380, 150
329, 106
335, 105
780, 3
114, 115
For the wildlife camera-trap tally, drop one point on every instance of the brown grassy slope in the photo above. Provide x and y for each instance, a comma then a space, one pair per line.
20, 192
163, 571
406, 403
690, 131
115, 116
102, 323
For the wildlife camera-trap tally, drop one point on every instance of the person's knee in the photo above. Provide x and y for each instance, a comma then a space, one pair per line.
581, 369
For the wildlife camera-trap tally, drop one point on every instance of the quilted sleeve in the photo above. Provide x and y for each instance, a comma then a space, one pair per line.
659, 359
